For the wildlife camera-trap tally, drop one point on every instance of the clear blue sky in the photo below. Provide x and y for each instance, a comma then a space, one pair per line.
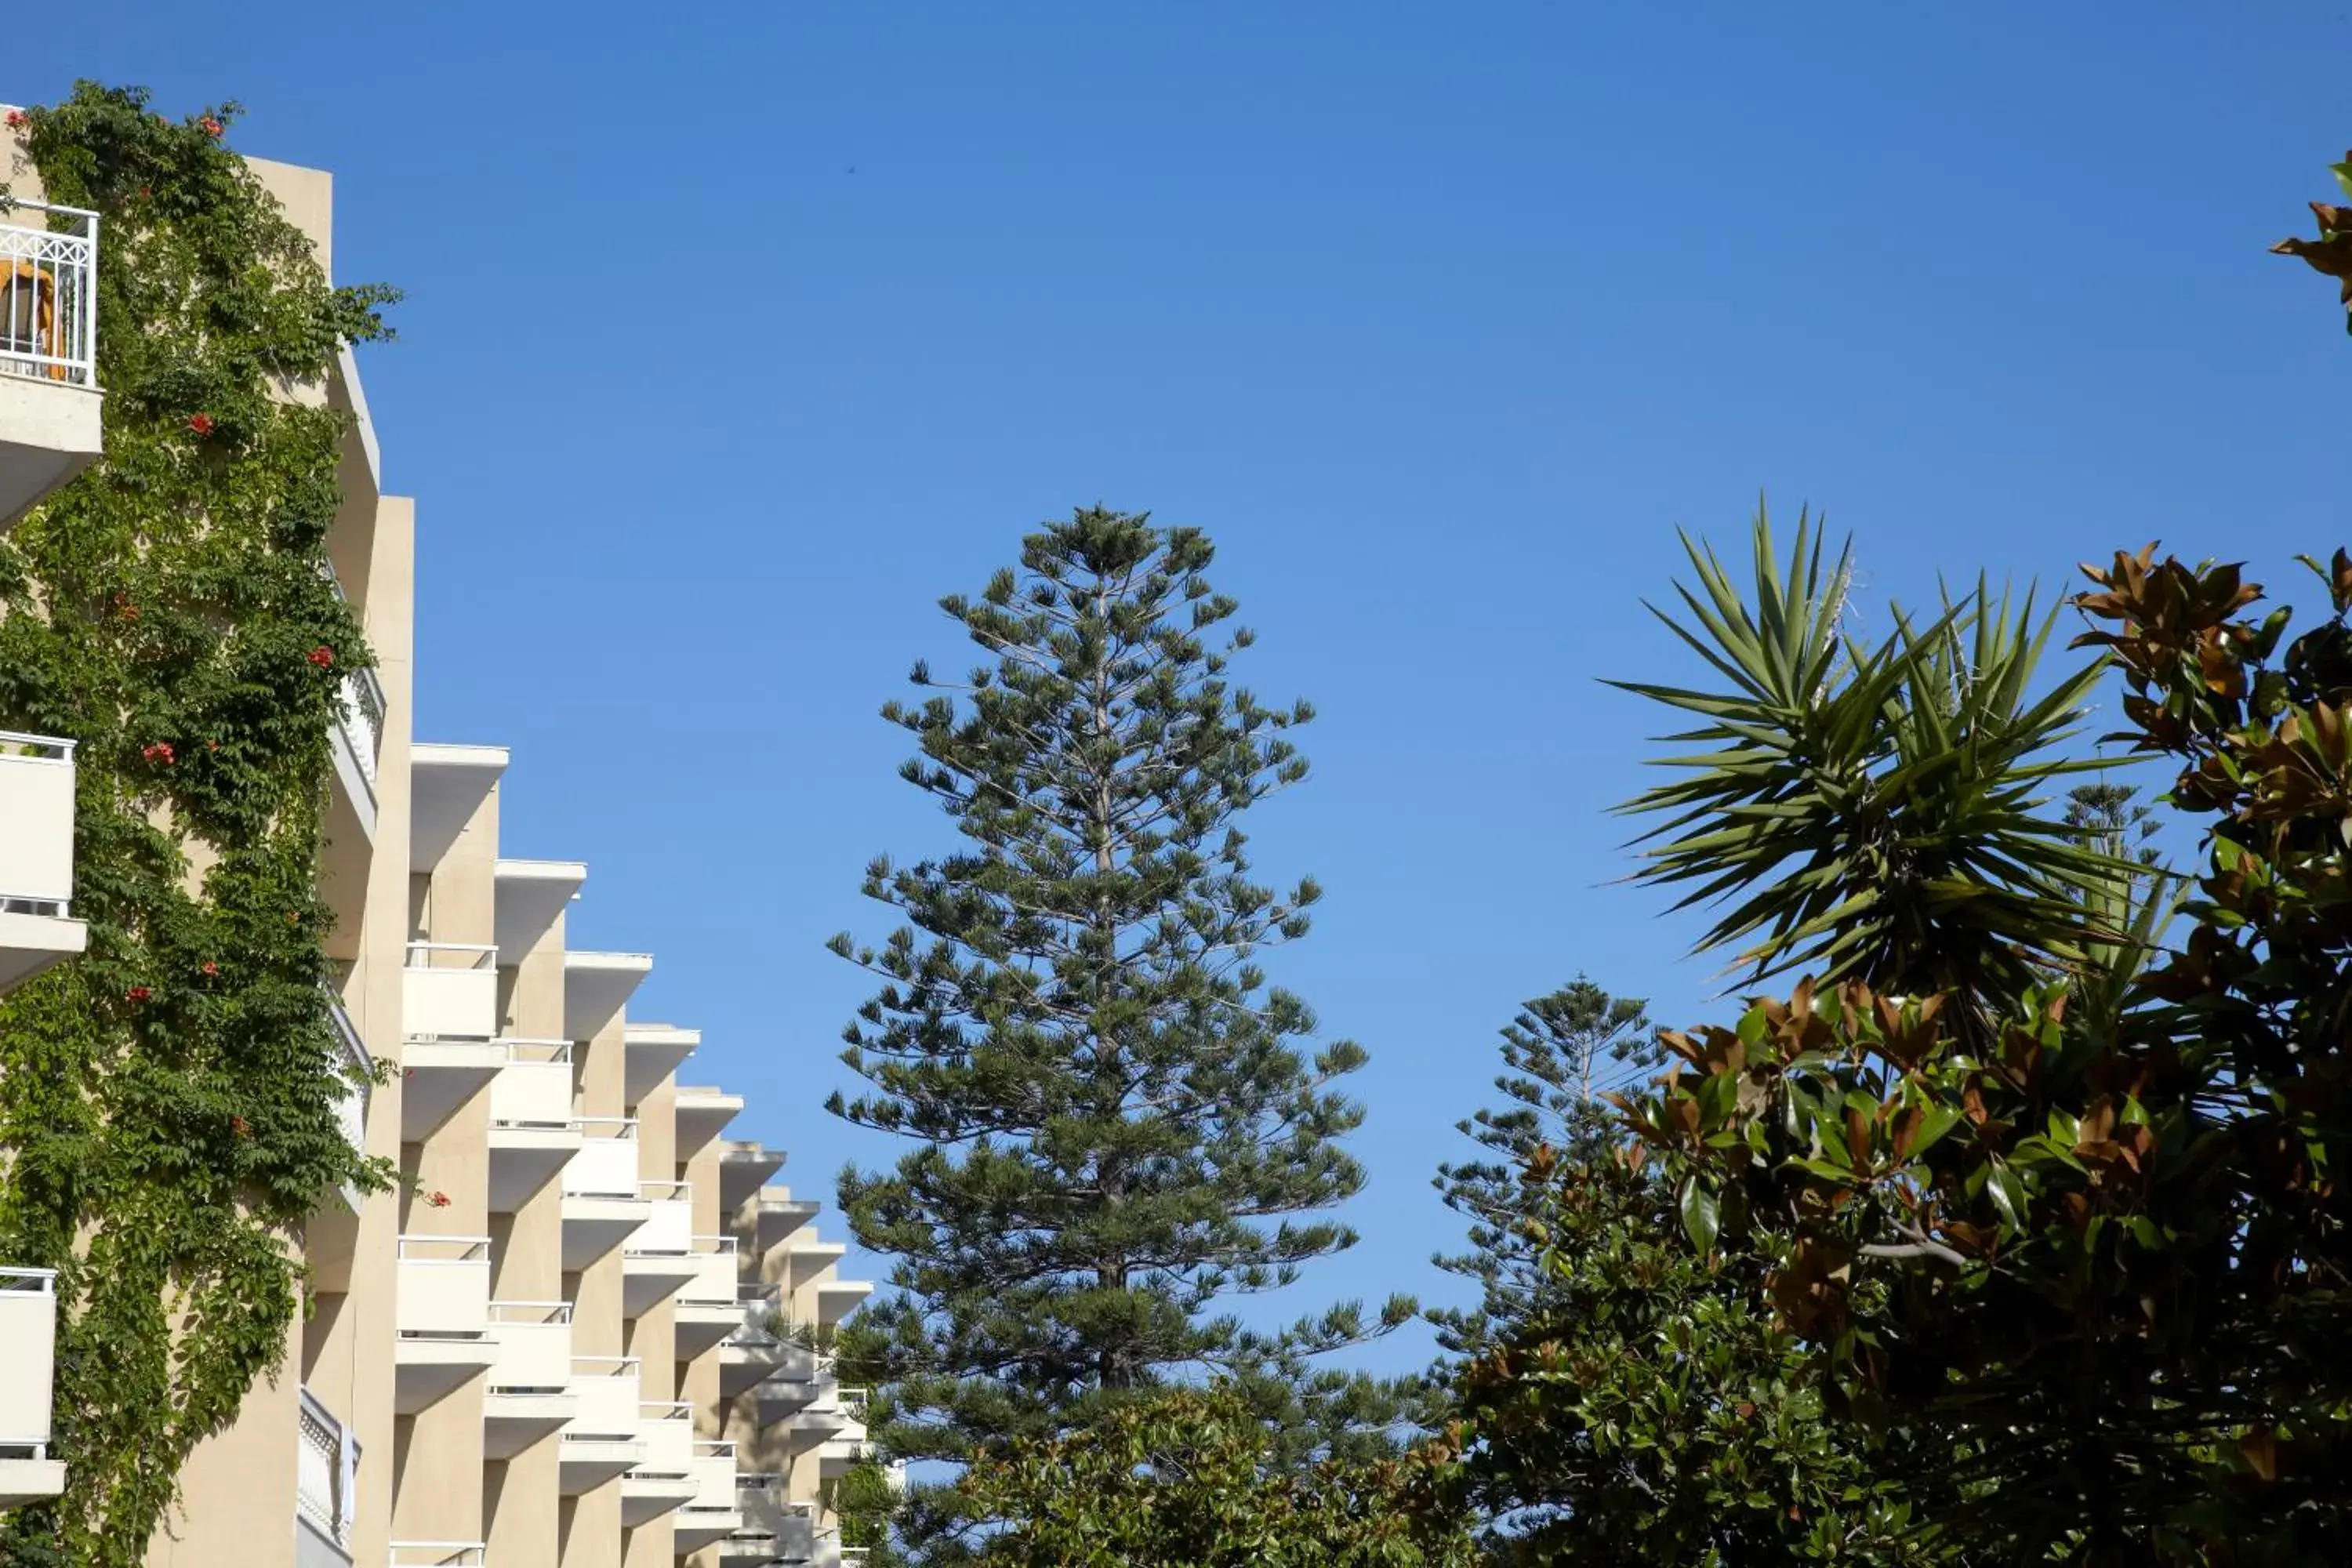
1439, 317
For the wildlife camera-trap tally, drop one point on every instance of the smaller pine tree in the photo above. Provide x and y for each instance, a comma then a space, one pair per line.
1559, 1054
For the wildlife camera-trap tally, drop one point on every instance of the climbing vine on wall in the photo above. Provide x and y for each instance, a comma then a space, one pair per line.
171, 1096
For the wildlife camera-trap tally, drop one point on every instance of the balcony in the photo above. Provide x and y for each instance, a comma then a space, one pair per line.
712, 1514
603, 1205
450, 990
326, 1482
664, 1481
837, 1299
650, 1053
754, 1358
442, 1315
702, 1114
533, 1133
773, 1528
778, 1215
437, 1555
28, 1332
528, 1394
49, 351
358, 733
743, 1169
606, 1437
836, 1456
658, 1259
448, 786
707, 1309
596, 986
822, 1419
438, 1077
531, 896
36, 847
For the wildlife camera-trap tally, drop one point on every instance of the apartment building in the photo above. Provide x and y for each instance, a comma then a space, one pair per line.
572, 1338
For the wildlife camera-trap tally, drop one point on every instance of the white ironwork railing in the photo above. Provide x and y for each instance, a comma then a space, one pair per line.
363, 716
353, 1109
327, 1469
48, 293
423, 1248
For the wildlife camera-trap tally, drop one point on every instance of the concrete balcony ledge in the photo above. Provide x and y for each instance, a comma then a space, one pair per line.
700, 1114
706, 1310
596, 985
533, 1134
743, 1169
698, 1524
438, 1075
837, 1299
606, 1437
786, 1530
651, 1052
37, 835
528, 1395
442, 1313
530, 895
28, 1326
658, 1259
665, 1482
778, 1216
839, 1456
604, 1201
711, 1515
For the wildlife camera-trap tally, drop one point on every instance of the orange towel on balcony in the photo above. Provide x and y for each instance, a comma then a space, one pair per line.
24, 274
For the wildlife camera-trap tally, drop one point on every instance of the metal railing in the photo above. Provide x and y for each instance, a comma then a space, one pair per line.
49, 294
363, 716
353, 1109
326, 1475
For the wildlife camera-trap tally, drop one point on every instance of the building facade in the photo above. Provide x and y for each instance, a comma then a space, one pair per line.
582, 1331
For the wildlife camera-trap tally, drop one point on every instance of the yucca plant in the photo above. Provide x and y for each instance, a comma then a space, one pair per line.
1879, 812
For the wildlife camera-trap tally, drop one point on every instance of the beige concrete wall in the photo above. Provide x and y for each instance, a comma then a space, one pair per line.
521, 1506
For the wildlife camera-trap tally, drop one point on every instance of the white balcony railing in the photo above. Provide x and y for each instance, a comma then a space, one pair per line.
668, 1428
48, 293
607, 1388
668, 1230
37, 822
327, 1470
28, 1331
534, 1339
444, 1287
533, 1089
607, 1164
362, 720
450, 990
360, 1068
716, 1266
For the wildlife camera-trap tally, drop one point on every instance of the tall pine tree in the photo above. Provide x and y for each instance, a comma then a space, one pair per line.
1559, 1053
1118, 1128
